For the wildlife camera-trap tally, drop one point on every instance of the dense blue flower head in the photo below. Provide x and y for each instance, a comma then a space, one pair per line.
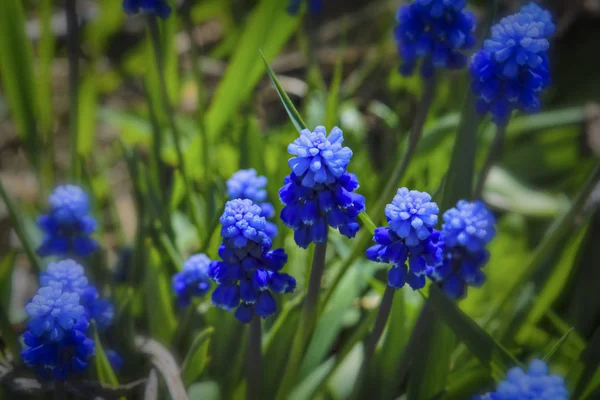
314, 6
96, 308
310, 210
535, 384
319, 159
193, 281
244, 227
159, 8
67, 227
512, 68
410, 239
467, 230
246, 184
435, 32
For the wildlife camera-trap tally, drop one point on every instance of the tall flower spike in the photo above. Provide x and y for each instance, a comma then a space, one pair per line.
67, 227
160, 8
512, 68
249, 270
466, 232
410, 238
536, 383
193, 281
434, 32
247, 184
320, 192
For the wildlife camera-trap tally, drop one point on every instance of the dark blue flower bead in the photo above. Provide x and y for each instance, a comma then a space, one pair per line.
265, 305
115, 360
160, 8
244, 313
226, 296
314, 6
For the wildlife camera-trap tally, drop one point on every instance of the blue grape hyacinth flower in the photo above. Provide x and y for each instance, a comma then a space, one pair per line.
410, 238
320, 192
314, 6
467, 230
511, 70
193, 281
160, 8
249, 270
536, 383
55, 343
247, 184
435, 33
67, 227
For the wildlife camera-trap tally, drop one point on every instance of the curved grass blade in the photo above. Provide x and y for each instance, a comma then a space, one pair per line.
106, 375
367, 222
197, 357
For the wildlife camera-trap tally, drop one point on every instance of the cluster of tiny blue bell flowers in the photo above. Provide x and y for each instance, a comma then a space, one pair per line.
249, 269
67, 226
410, 237
314, 6
160, 8
466, 231
56, 344
533, 384
435, 32
247, 184
320, 192
193, 281
512, 68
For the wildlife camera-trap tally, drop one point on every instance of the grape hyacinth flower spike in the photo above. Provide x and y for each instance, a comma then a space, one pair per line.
319, 192
511, 70
160, 8
247, 184
56, 344
435, 33
466, 231
67, 226
249, 270
536, 383
410, 237
193, 281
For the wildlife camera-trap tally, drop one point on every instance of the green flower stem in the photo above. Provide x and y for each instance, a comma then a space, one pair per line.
416, 132
73, 51
382, 316
154, 37
494, 155
306, 323
253, 360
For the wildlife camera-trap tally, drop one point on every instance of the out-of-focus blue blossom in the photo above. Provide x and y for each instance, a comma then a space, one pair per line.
320, 192
246, 184
534, 384
97, 309
410, 238
434, 32
249, 270
314, 6
512, 68
193, 281
115, 360
67, 227
160, 8
466, 231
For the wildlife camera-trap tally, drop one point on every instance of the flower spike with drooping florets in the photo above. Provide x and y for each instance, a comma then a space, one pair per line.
314, 6
249, 269
56, 343
319, 191
67, 227
410, 237
246, 184
466, 231
533, 384
193, 281
160, 8
435, 32
512, 68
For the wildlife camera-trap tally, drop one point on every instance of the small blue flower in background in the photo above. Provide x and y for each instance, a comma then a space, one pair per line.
435, 32
56, 343
320, 192
67, 227
533, 384
193, 281
246, 184
411, 238
115, 360
467, 230
249, 269
160, 8
314, 6
512, 68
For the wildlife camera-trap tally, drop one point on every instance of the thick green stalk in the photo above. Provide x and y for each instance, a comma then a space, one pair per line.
253, 360
494, 155
73, 51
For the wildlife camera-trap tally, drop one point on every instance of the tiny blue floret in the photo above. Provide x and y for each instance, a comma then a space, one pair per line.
160, 8
314, 6
193, 281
